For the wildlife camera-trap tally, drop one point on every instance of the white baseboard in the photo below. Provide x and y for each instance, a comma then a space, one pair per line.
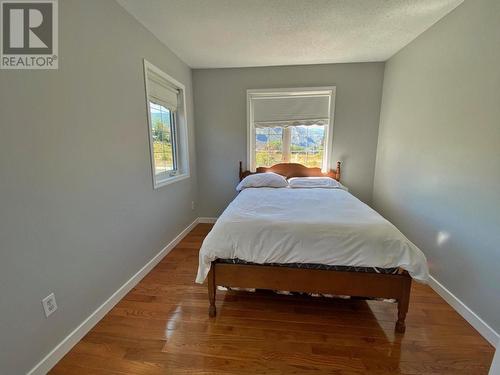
495, 365
470, 316
51, 359
207, 220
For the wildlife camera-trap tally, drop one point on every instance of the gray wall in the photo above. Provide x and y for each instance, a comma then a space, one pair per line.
78, 214
438, 161
221, 122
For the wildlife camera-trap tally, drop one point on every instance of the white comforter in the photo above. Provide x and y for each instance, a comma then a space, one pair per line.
322, 226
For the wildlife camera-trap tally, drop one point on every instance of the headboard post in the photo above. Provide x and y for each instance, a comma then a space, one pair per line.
241, 170
338, 170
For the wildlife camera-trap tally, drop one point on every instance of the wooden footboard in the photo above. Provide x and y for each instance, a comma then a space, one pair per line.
357, 284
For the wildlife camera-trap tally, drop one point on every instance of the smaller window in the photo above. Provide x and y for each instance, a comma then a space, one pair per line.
163, 133
167, 127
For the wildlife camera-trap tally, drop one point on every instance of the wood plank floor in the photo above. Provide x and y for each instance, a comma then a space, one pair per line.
162, 327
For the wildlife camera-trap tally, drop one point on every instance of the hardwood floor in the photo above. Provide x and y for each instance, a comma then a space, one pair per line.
162, 327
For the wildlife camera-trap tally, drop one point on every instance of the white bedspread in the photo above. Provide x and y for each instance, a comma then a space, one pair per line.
322, 226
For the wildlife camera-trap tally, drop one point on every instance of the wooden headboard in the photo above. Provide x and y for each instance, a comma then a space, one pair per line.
293, 170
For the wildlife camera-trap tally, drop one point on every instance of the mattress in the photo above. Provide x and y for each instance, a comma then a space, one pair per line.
312, 266
316, 226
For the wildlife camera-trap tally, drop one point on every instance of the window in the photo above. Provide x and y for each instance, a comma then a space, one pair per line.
167, 127
290, 126
268, 146
163, 133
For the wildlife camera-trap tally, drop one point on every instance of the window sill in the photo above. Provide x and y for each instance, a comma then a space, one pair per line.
170, 180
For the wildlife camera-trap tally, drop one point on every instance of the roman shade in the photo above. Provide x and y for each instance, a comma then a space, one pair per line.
162, 92
290, 110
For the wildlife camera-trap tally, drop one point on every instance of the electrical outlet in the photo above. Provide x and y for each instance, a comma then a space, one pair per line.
193, 205
49, 304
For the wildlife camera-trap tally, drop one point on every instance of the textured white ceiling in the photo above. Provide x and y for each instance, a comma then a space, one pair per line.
237, 33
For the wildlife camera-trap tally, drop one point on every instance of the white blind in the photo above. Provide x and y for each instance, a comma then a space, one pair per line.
162, 92
291, 110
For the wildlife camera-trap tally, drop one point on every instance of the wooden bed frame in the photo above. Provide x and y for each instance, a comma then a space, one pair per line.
359, 284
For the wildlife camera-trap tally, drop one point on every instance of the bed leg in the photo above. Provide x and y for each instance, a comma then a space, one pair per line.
403, 303
211, 291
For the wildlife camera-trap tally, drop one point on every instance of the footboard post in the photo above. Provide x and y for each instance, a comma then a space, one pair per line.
403, 303
211, 291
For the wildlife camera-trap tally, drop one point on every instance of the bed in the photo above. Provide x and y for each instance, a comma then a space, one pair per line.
322, 241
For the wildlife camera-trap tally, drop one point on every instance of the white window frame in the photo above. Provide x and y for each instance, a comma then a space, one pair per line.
283, 92
180, 143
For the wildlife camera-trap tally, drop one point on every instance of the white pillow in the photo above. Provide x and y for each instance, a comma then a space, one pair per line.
314, 182
268, 179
